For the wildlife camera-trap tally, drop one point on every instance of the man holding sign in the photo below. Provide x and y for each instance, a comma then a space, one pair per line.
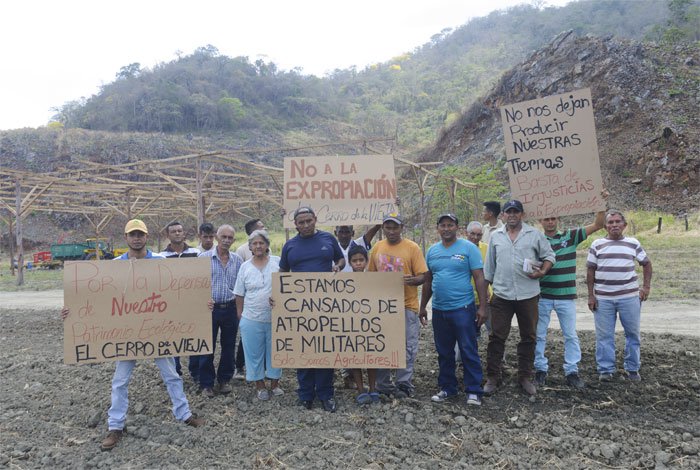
312, 251
136, 235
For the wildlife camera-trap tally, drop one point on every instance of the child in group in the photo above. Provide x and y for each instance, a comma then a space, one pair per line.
358, 259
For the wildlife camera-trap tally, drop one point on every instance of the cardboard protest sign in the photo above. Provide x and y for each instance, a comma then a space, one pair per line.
349, 190
552, 152
136, 309
343, 320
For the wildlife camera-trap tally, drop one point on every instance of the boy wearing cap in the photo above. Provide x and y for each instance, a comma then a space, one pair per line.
517, 257
452, 263
136, 234
395, 253
312, 251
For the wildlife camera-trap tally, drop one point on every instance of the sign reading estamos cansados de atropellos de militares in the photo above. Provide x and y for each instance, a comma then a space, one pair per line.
341, 320
136, 309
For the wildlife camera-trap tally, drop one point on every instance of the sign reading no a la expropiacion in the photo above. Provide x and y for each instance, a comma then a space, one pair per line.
136, 309
342, 320
552, 151
342, 190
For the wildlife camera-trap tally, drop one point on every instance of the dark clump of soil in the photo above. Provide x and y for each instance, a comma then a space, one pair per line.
52, 415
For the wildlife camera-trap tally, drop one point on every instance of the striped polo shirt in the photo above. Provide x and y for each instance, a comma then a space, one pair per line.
560, 281
613, 260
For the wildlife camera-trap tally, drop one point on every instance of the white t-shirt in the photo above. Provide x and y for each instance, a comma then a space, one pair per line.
244, 251
358, 241
255, 286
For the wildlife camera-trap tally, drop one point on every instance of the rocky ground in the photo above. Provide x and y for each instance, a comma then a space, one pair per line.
52, 415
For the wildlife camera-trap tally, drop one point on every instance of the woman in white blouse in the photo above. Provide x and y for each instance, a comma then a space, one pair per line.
253, 291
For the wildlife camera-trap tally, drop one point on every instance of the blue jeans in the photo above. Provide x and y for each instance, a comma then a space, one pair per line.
566, 312
226, 321
457, 326
403, 376
116, 416
605, 316
315, 383
256, 337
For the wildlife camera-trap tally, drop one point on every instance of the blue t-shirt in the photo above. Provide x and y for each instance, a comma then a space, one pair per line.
316, 253
451, 268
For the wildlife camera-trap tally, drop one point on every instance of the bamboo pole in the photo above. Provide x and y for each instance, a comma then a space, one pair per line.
20, 240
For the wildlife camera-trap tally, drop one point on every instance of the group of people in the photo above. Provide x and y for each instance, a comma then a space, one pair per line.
504, 267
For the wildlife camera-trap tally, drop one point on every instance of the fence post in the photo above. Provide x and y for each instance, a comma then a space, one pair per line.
658, 228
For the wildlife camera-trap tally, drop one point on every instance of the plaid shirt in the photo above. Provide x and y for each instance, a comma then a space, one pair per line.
223, 278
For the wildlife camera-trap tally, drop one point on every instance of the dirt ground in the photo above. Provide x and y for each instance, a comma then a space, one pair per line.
53, 415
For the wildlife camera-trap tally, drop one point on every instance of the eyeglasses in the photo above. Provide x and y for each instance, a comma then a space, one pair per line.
478, 235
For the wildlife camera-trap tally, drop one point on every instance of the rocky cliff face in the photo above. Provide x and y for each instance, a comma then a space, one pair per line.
646, 100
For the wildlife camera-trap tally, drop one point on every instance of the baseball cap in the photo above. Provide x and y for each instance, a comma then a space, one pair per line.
303, 210
513, 204
135, 224
393, 217
449, 216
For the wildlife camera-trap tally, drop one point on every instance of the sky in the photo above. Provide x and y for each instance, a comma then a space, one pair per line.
54, 52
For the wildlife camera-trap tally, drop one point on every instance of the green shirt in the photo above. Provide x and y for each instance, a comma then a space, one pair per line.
560, 281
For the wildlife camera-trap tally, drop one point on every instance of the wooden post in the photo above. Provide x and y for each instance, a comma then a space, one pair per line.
11, 243
686, 222
658, 228
453, 194
200, 196
20, 241
128, 204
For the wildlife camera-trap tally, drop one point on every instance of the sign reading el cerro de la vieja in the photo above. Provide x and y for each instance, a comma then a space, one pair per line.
342, 320
552, 152
342, 190
136, 309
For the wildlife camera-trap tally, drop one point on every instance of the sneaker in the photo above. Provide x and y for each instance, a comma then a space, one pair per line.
112, 439
263, 394
473, 399
403, 391
363, 399
574, 380
605, 377
329, 405
278, 392
225, 388
208, 392
195, 421
441, 396
633, 376
239, 375
540, 378
308, 404
375, 397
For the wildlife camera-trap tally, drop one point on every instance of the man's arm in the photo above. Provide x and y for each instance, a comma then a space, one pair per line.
416, 280
646, 286
590, 281
339, 265
426, 294
369, 234
482, 292
599, 221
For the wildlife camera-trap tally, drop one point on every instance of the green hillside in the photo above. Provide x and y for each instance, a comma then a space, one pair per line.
413, 95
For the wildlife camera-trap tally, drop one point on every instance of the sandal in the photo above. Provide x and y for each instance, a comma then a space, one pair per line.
363, 399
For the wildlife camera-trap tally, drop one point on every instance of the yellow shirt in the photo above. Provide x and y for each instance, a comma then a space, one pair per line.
482, 248
405, 257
